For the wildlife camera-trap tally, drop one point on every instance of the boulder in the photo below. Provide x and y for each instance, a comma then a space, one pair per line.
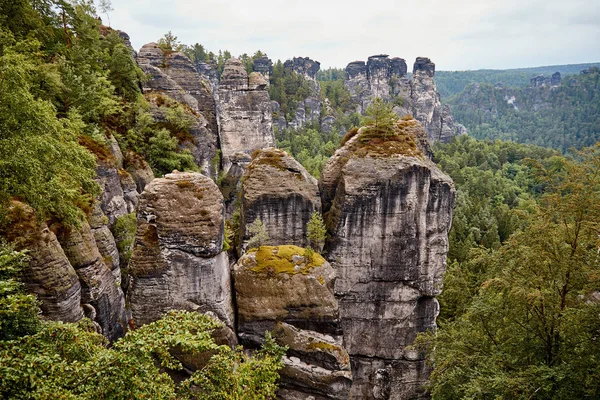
177, 260
283, 283
278, 190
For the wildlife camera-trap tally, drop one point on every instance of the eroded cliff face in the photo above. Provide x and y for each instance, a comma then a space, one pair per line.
309, 110
278, 190
175, 76
288, 291
386, 78
389, 214
245, 112
177, 260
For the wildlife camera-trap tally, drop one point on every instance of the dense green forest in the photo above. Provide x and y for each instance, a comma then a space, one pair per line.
450, 83
520, 302
559, 117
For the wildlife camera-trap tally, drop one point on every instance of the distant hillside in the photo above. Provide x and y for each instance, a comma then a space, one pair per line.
450, 83
561, 116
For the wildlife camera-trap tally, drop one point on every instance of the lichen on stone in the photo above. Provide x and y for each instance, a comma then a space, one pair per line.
285, 259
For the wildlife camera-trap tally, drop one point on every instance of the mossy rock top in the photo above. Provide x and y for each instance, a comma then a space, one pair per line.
284, 259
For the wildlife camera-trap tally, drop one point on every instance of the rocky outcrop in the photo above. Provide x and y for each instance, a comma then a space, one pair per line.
309, 109
49, 274
245, 112
542, 81
282, 283
389, 210
380, 76
174, 75
264, 66
101, 294
278, 190
177, 260
315, 365
386, 78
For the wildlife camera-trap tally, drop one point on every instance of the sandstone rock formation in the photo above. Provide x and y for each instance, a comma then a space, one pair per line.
263, 65
541, 80
290, 292
309, 110
245, 112
280, 283
380, 77
389, 210
49, 275
386, 78
316, 365
278, 190
101, 294
177, 261
174, 75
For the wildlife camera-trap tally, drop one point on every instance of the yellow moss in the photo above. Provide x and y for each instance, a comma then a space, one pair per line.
321, 280
322, 346
374, 143
184, 183
273, 260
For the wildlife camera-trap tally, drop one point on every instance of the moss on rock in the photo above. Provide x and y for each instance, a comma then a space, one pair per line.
285, 259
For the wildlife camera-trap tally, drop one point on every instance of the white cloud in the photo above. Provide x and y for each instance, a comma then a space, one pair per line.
455, 34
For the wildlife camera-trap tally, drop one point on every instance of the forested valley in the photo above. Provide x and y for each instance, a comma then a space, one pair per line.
520, 305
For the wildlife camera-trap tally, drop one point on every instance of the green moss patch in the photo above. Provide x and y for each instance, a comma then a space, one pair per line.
286, 259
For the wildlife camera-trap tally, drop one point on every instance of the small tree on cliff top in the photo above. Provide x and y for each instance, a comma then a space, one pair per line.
380, 118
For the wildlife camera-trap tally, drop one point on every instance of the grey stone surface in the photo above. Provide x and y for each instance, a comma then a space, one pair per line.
177, 261
278, 190
389, 218
245, 116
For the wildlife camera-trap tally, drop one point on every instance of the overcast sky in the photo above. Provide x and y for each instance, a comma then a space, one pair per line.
455, 34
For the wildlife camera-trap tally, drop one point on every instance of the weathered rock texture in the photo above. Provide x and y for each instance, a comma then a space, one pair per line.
541, 80
49, 274
101, 294
389, 210
177, 261
316, 365
174, 75
386, 78
245, 112
282, 288
380, 77
278, 283
308, 110
278, 190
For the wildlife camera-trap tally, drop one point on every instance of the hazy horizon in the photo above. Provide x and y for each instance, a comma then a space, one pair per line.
455, 35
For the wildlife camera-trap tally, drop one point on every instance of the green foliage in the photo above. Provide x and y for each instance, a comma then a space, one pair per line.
41, 161
72, 361
495, 191
309, 146
234, 375
258, 234
288, 88
169, 43
164, 157
380, 118
124, 232
316, 231
561, 117
18, 310
450, 83
530, 329
159, 141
